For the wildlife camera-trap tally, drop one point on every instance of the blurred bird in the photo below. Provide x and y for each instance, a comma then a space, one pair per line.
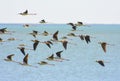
26, 13
55, 35
9, 57
51, 57
45, 33
87, 39
22, 49
64, 43
36, 42
79, 24
43, 21
3, 30
25, 60
100, 62
48, 43
81, 37
59, 54
34, 33
103, 45
73, 26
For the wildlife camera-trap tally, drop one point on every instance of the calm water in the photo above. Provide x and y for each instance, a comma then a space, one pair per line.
82, 56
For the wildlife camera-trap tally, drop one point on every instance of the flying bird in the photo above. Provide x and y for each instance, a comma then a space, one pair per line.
43, 63
25, 60
45, 33
59, 54
71, 34
26, 13
48, 43
3, 30
87, 39
36, 42
64, 43
73, 26
79, 24
34, 33
103, 45
100, 62
22, 49
9, 57
43, 21
55, 35
51, 57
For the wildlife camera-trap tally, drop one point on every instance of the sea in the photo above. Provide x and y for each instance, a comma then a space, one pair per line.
79, 59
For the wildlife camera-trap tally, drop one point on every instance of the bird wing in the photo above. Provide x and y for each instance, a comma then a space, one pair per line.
87, 38
59, 53
48, 45
35, 45
103, 46
25, 59
23, 50
65, 44
101, 63
55, 35
10, 56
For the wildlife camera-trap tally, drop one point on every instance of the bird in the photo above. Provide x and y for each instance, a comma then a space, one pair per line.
22, 49
3, 30
26, 25
48, 43
25, 60
43, 21
58, 54
26, 13
51, 57
45, 33
64, 43
100, 62
36, 42
34, 33
73, 26
43, 63
87, 39
55, 35
79, 23
103, 45
81, 37
71, 34
9, 57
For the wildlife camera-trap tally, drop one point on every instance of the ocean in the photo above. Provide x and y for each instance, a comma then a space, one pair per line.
81, 64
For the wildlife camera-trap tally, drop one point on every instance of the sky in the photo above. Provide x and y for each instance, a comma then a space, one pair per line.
61, 11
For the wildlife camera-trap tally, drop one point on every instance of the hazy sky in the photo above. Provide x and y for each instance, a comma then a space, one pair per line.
60, 11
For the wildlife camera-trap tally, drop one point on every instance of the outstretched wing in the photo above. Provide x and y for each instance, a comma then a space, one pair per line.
59, 53
55, 35
25, 59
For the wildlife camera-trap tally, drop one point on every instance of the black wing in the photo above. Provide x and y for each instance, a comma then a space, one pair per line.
22, 50
101, 63
35, 44
87, 38
59, 53
55, 37
10, 56
65, 44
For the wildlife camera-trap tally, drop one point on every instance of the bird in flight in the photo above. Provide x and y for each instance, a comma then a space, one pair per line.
9, 57
100, 62
26, 13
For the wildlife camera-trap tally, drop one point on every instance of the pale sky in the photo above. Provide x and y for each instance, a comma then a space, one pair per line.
61, 11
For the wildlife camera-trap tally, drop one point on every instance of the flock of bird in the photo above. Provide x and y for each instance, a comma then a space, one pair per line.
50, 42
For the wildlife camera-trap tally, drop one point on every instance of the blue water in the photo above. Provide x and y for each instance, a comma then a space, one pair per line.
82, 56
